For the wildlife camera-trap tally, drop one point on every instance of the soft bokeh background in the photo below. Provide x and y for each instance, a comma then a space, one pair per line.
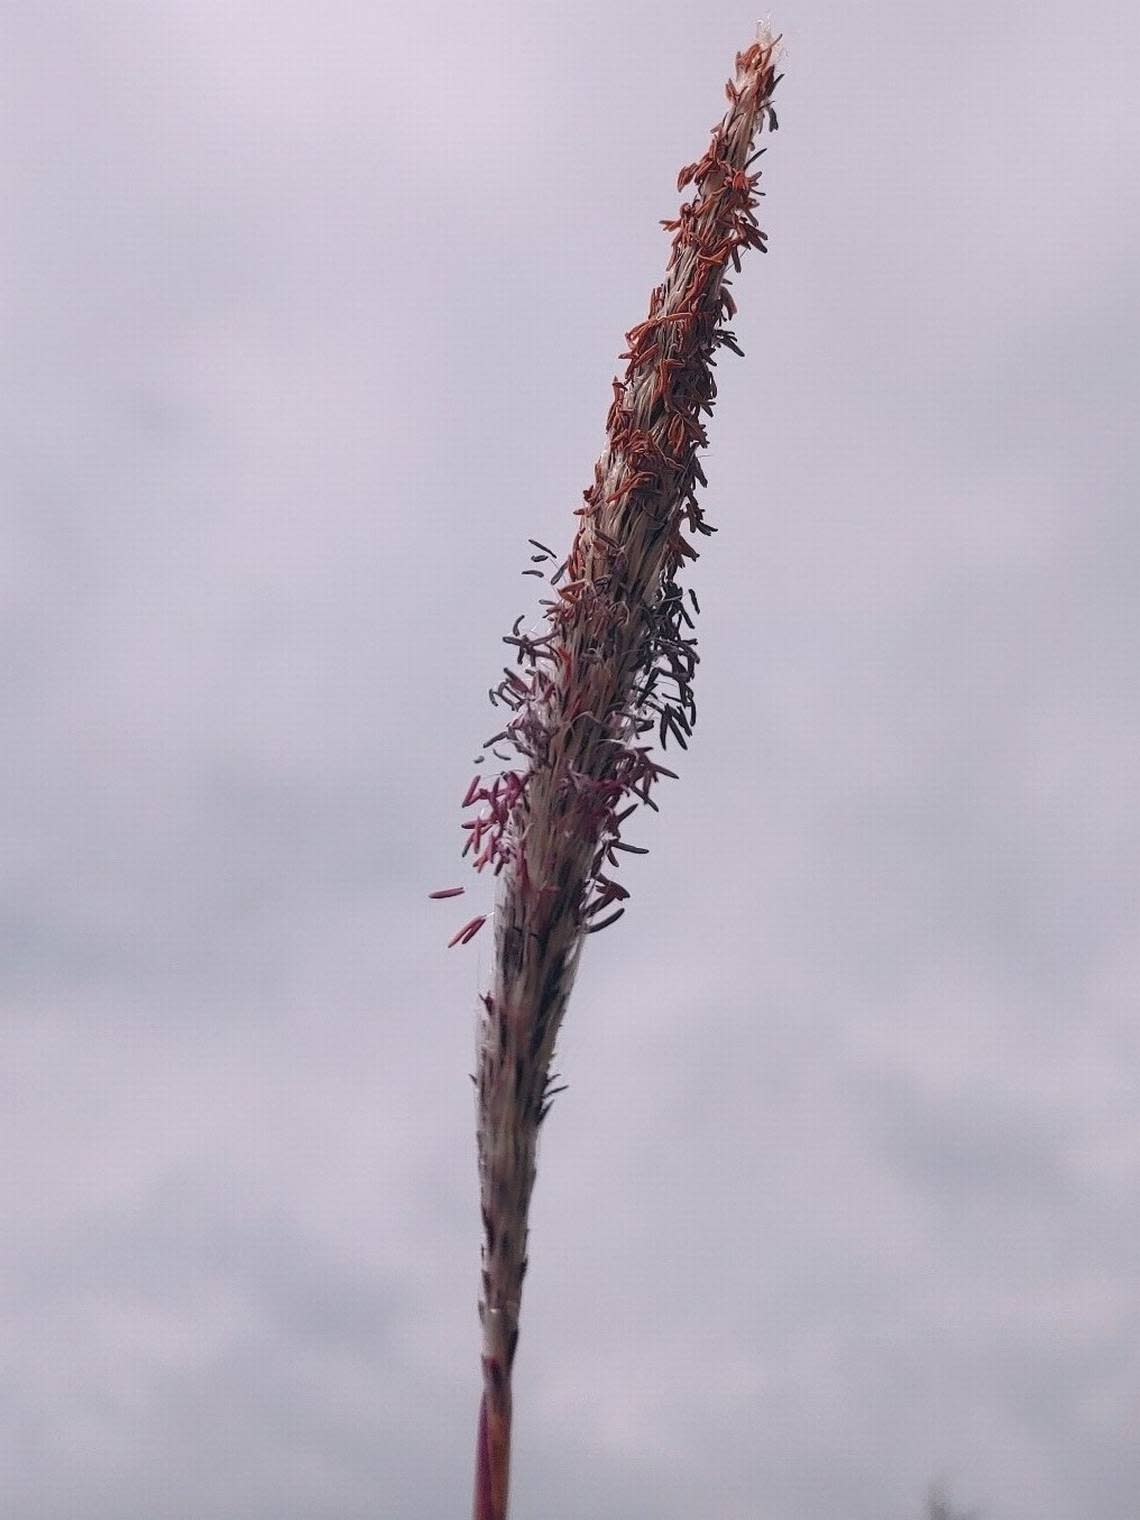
313, 311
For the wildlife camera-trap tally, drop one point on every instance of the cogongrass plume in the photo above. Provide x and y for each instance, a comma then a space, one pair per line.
614, 662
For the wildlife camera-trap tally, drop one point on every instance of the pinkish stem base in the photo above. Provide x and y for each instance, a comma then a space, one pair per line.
492, 1461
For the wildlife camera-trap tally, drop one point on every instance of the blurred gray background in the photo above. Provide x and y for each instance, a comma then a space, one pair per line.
313, 311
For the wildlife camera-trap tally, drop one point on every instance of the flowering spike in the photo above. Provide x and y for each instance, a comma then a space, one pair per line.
583, 696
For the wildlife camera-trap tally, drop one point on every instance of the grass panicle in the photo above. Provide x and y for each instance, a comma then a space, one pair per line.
610, 670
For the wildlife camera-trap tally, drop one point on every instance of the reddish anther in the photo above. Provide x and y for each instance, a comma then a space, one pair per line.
605, 922
468, 931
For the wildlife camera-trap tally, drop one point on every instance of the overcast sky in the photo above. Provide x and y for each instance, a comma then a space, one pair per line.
312, 315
